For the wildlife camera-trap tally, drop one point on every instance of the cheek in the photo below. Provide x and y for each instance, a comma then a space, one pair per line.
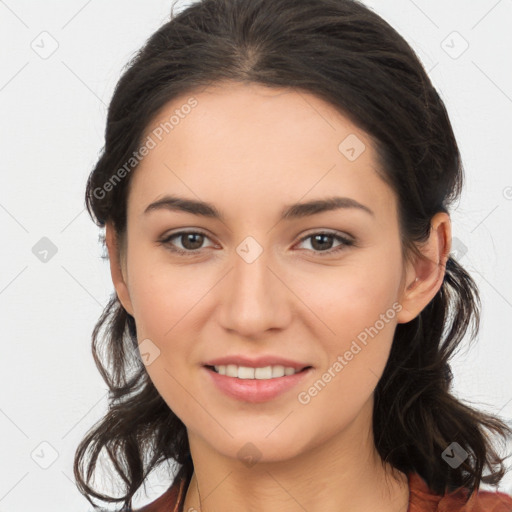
162, 306
165, 298
162, 293
357, 305
359, 310
350, 298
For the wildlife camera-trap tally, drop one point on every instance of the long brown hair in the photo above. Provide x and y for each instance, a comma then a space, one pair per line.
347, 55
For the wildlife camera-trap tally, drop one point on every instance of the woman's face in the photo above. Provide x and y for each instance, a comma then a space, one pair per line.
255, 286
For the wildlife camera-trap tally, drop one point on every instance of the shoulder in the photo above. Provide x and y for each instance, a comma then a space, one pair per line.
422, 499
481, 501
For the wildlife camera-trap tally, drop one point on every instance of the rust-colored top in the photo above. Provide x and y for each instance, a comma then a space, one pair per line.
421, 499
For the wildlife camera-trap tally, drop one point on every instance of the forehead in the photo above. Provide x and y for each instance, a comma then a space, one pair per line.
249, 144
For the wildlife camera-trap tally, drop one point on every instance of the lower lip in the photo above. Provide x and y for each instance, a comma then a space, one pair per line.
256, 390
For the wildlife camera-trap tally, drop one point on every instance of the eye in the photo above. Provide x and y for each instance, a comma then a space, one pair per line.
191, 242
321, 242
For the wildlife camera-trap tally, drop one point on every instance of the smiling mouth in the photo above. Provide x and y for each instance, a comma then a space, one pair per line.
260, 373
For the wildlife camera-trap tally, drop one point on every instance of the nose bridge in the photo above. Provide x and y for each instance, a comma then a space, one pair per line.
254, 299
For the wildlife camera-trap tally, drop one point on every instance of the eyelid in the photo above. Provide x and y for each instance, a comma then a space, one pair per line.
332, 232
166, 239
346, 239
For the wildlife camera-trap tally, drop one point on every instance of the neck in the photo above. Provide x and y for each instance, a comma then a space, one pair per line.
344, 473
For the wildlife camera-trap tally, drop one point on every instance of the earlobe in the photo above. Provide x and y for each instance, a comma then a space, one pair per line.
426, 274
116, 268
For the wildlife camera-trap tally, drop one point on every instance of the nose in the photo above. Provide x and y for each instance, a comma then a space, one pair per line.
254, 296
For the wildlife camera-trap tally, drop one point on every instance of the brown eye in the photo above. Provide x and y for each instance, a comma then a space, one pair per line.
322, 243
191, 242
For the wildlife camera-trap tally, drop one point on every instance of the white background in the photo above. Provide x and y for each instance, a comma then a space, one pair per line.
52, 122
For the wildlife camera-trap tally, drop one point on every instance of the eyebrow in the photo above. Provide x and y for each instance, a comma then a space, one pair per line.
293, 211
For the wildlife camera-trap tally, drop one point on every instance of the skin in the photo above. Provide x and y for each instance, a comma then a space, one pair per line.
251, 150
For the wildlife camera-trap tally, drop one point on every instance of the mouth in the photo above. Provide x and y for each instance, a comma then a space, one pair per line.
256, 384
256, 373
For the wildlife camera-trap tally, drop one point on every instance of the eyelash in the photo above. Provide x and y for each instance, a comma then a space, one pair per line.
346, 242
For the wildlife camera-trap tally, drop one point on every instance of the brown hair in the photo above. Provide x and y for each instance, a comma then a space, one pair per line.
347, 55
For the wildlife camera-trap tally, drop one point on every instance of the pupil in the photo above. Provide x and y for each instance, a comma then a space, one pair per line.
190, 236
317, 237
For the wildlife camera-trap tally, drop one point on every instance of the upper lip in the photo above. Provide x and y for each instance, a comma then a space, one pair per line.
257, 362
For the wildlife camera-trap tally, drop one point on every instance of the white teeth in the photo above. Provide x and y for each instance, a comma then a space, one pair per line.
262, 373
277, 371
244, 372
231, 370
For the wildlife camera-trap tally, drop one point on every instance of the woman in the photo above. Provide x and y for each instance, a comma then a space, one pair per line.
275, 187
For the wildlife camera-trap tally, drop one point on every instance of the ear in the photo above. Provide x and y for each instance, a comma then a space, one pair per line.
425, 275
117, 267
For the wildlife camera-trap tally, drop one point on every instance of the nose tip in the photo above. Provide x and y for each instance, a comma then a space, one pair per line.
253, 298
